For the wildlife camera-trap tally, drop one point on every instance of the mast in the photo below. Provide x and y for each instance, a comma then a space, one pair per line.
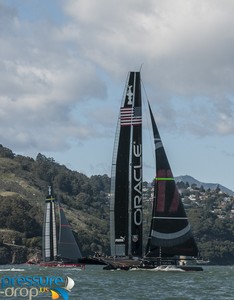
49, 234
126, 175
170, 232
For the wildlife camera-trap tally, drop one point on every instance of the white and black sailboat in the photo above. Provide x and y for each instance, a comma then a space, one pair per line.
62, 251
170, 235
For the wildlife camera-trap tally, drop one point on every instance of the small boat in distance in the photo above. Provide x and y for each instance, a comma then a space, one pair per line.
170, 238
63, 251
202, 262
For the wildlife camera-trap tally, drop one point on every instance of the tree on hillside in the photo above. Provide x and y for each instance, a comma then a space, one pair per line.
5, 152
17, 214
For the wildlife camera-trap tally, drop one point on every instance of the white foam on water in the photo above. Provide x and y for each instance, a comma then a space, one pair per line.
12, 270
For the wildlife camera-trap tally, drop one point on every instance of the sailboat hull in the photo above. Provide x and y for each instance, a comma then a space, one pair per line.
62, 264
129, 264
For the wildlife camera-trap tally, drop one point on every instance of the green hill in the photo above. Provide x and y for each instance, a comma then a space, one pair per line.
23, 187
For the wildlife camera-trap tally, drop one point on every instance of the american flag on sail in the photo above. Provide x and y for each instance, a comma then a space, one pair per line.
130, 116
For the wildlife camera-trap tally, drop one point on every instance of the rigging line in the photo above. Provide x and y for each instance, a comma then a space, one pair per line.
141, 67
148, 124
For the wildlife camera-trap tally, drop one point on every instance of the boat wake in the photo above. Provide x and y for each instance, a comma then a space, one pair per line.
12, 270
159, 269
168, 269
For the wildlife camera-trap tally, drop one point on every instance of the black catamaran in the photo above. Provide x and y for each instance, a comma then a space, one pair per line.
63, 251
170, 235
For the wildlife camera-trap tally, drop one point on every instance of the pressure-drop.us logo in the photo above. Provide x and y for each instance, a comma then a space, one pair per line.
30, 287
63, 291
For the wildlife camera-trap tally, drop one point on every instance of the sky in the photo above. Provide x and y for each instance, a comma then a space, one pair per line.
63, 67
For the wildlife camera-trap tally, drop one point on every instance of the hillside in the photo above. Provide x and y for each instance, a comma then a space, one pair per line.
206, 186
23, 187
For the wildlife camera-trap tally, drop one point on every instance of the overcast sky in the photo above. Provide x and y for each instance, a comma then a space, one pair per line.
63, 66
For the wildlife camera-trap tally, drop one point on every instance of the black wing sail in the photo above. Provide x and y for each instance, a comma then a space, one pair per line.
126, 175
68, 249
170, 232
135, 213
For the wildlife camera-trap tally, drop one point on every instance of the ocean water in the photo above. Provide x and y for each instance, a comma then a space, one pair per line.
94, 283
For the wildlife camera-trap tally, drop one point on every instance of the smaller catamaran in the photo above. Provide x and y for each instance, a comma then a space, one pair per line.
170, 240
63, 251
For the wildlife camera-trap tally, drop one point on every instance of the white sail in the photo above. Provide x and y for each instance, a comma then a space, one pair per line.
69, 284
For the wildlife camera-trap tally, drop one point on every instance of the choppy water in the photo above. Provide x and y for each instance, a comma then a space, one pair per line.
94, 283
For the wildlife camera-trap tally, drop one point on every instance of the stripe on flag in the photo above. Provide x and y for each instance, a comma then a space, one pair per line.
130, 116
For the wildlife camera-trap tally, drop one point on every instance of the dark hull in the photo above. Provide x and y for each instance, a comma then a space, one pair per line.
128, 264
92, 261
79, 264
120, 263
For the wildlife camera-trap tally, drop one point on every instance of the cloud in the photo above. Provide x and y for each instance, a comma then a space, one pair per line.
41, 83
58, 68
186, 48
